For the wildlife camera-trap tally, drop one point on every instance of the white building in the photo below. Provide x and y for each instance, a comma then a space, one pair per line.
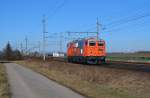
58, 54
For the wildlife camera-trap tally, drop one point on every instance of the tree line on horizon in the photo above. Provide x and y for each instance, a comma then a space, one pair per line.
9, 54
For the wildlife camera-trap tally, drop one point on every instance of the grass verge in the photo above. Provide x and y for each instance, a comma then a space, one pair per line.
4, 86
92, 82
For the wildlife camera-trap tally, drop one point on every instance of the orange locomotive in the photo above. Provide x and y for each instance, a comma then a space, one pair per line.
90, 50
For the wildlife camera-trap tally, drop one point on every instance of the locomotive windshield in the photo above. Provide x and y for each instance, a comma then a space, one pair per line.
100, 44
92, 43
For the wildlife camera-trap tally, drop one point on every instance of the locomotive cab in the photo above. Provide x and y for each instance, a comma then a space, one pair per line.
95, 51
89, 50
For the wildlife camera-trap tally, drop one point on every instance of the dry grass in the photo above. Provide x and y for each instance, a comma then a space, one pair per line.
94, 81
4, 87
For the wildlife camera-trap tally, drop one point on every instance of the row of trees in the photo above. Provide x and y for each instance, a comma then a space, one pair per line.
9, 54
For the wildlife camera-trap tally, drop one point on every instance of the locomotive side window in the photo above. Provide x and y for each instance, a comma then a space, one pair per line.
81, 44
100, 44
92, 43
67, 45
86, 43
76, 44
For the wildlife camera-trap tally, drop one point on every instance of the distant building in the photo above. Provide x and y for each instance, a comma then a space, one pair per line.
58, 54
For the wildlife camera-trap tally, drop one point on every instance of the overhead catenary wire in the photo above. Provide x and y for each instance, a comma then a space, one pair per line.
108, 27
127, 20
60, 6
122, 21
121, 28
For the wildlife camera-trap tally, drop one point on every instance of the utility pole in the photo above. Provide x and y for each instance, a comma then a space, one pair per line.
61, 42
26, 41
44, 37
97, 25
21, 48
39, 44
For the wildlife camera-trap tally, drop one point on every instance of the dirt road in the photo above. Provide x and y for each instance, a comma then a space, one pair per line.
25, 83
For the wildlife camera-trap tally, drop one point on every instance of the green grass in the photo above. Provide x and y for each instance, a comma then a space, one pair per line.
130, 59
4, 87
137, 57
67, 77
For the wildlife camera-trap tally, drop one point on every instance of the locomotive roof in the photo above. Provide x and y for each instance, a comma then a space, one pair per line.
86, 39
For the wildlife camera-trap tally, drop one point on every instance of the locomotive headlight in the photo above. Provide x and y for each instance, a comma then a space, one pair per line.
81, 51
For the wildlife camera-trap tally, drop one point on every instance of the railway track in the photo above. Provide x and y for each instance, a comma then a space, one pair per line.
133, 66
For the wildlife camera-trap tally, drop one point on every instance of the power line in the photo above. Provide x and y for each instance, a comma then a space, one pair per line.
120, 22
118, 29
58, 8
98, 28
127, 20
127, 17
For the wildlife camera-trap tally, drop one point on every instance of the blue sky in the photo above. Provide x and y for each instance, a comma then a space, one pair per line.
20, 18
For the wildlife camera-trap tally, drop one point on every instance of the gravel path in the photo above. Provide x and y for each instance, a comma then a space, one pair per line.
25, 83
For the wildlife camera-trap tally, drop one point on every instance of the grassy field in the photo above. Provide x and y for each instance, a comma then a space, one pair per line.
4, 87
94, 82
133, 57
